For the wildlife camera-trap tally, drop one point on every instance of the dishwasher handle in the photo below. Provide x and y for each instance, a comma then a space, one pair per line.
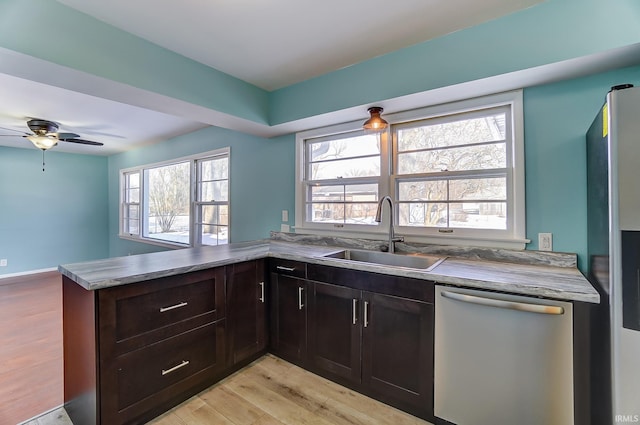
511, 305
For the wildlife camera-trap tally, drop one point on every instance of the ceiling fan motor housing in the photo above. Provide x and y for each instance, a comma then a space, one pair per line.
42, 127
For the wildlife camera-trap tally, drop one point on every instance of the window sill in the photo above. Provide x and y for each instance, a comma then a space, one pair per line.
155, 242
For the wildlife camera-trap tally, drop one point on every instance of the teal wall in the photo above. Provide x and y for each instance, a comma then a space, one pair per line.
52, 217
261, 186
557, 117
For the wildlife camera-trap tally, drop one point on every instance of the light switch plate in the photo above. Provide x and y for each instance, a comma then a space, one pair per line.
3, 262
285, 215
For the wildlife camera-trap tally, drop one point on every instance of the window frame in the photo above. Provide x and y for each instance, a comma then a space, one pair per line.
194, 203
512, 237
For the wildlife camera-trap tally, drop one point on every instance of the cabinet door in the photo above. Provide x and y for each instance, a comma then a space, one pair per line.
335, 330
246, 317
398, 351
289, 317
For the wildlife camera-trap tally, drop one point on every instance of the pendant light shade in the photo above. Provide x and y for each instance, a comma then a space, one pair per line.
375, 123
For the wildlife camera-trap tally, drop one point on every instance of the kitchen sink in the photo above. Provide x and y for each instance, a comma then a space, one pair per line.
423, 262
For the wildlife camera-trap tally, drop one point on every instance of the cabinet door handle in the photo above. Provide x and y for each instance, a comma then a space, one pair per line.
300, 304
366, 313
286, 269
172, 307
261, 291
355, 307
173, 369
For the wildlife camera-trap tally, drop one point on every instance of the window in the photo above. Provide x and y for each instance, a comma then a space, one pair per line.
183, 203
455, 171
342, 174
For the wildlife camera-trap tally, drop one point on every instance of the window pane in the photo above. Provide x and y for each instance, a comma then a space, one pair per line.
133, 180
423, 214
215, 214
326, 212
345, 168
485, 215
214, 191
214, 235
344, 148
133, 226
455, 159
435, 190
168, 209
482, 189
349, 193
462, 132
214, 169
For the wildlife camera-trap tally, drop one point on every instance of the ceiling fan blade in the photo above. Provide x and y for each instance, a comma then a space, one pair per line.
17, 131
82, 141
67, 135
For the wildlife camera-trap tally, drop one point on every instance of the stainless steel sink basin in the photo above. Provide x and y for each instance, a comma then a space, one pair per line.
423, 262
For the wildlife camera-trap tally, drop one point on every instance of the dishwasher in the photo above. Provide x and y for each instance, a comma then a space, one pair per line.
502, 359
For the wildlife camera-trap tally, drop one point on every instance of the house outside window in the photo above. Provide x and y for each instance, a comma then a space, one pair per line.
454, 171
184, 202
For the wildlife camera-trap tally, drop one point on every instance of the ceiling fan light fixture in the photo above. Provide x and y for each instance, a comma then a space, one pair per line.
375, 123
43, 142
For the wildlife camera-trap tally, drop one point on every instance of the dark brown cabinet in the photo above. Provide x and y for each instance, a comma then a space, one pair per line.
142, 348
397, 351
288, 336
335, 330
373, 333
246, 311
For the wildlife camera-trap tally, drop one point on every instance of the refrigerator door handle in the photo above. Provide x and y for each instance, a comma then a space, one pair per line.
511, 305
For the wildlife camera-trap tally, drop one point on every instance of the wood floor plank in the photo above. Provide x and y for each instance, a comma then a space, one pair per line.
229, 404
197, 412
307, 397
275, 404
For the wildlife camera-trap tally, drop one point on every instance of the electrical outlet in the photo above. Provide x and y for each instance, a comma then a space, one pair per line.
3, 262
285, 228
285, 215
545, 241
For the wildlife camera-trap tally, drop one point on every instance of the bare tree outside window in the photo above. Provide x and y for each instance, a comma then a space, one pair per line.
169, 202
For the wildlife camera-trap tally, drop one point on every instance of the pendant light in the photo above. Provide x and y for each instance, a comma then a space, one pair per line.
375, 123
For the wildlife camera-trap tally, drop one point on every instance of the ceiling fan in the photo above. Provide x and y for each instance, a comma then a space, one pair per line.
45, 135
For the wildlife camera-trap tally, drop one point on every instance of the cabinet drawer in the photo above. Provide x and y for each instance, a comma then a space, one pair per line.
143, 313
137, 315
149, 370
288, 267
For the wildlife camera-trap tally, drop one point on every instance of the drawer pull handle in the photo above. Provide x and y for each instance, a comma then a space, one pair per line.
173, 369
261, 291
286, 269
172, 307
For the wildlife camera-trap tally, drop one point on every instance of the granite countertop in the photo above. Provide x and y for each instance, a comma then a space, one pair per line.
548, 281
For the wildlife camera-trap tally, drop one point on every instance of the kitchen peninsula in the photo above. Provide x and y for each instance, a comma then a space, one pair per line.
198, 314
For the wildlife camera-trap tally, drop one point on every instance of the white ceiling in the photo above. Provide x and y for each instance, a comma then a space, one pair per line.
276, 43
270, 44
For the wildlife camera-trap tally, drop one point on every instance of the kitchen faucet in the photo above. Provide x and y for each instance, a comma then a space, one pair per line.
392, 238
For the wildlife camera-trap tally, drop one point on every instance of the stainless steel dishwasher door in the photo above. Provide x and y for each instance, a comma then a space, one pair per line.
502, 359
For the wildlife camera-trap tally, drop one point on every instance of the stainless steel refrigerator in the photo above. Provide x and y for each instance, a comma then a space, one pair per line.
613, 205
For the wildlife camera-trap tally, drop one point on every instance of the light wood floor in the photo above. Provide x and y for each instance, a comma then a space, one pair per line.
271, 391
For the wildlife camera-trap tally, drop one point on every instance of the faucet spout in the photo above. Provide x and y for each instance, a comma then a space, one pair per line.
392, 238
